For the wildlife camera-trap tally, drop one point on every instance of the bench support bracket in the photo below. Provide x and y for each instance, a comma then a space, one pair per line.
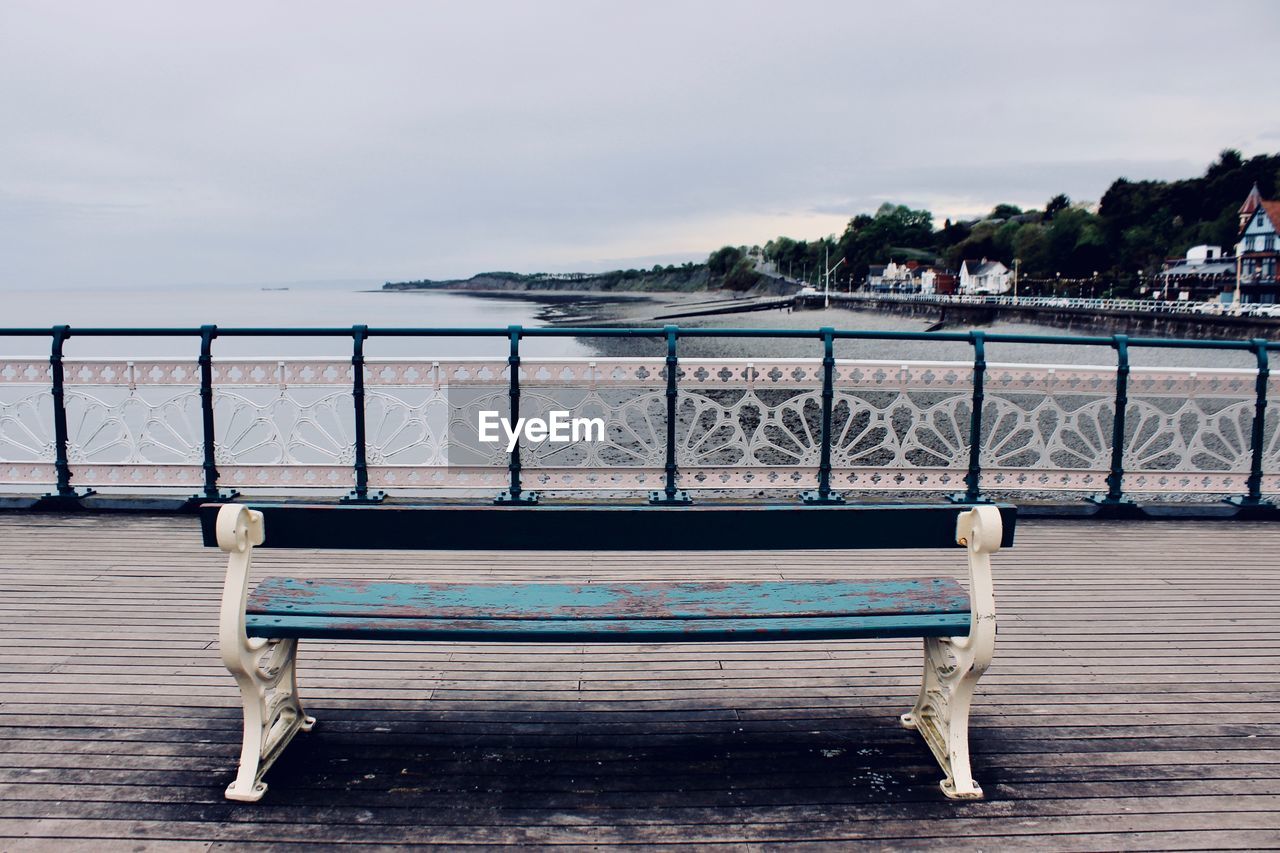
953, 665
265, 670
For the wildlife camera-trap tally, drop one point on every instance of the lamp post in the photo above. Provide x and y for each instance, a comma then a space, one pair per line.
1235, 300
826, 296
1016, 263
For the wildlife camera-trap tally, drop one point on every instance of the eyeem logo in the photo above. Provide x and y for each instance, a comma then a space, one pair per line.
558, 427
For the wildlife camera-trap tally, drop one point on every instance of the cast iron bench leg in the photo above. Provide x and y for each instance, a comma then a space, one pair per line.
953, 665
265, 670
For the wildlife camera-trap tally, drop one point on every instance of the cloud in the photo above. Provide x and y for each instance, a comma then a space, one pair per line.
151, 143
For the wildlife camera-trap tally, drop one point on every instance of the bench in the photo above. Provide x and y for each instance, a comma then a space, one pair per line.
259, 631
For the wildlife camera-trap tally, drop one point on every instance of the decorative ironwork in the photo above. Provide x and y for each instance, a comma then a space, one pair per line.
758, 424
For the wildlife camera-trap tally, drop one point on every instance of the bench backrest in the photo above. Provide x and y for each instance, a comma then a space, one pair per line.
709, 527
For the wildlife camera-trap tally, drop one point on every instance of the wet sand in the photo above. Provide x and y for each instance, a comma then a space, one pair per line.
595, 309
643, 311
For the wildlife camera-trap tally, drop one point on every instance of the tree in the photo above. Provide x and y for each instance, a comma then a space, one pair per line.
733, 268
1056, 205
1005, 211
868, 240
1229, 160
1031, 247
1004, 238
723, 260
980, 243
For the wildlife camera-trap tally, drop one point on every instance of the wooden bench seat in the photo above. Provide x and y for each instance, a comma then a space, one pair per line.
259, 633
602, 613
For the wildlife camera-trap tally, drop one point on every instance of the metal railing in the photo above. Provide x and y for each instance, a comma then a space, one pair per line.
1152, 306
833, 376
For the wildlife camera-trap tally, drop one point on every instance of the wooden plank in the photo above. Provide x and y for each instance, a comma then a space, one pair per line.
644, 630
278, 596
1132, 704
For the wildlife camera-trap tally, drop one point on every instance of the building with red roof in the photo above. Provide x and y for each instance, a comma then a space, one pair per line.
1259, 249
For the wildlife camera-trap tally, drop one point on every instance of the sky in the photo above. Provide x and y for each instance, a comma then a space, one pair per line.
159, 143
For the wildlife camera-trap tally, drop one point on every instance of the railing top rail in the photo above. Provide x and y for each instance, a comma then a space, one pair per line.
501, 360
656, 332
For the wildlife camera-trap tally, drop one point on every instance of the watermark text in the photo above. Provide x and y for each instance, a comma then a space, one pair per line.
558, 427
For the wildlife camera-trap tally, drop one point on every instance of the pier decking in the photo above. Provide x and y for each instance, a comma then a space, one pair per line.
1134, 702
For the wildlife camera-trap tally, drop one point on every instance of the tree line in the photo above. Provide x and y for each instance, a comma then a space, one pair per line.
1132, 230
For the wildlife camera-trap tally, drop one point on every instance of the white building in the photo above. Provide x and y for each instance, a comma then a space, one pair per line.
893, 276
929, 281
985, 276
1203, 254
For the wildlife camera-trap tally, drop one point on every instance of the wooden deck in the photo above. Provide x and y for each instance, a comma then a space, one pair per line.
1134, 702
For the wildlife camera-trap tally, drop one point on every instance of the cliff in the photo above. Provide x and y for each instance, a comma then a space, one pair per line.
691, 277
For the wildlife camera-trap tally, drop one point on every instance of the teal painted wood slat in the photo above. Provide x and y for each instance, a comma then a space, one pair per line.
624, 601
609, 630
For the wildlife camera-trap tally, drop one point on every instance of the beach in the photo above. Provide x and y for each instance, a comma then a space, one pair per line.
595, 310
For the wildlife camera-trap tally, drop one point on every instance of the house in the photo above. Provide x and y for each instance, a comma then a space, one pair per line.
1258, 250
894, 277
938, 281
902, 278
875, 277
1203, 275
984, 277
910, 277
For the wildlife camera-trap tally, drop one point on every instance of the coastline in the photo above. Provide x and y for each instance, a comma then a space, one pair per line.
593, 309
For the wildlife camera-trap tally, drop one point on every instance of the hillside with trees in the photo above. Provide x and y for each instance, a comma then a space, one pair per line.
1136, 225
686, 277
1114, 244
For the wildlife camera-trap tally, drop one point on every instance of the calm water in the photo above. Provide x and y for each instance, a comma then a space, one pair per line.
343, 305
253, 306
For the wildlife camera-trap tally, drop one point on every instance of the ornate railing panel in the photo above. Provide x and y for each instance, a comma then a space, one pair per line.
26, 422
1189, 431
134, 423
1047, 428
284, 424
740, 424
1271, 438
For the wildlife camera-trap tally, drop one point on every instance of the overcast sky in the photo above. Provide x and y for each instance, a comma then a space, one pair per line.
149, 143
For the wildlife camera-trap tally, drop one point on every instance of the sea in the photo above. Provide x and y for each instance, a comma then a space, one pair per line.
341, 304
295, 306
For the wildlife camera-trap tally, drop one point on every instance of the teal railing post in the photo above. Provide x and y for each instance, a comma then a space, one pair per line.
1252, 500
670, 495
515, 493
1115, 478
360, 494
973, 477
211, 493
823, 494
65, 496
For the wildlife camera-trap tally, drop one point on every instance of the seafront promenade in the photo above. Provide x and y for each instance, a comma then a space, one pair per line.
1132, 705
1136, 317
